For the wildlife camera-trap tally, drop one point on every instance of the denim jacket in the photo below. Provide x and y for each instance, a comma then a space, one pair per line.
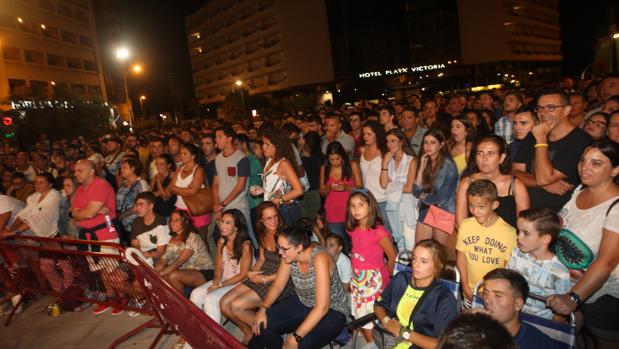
443, 189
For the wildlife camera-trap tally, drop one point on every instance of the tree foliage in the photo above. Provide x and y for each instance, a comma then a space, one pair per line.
69, 118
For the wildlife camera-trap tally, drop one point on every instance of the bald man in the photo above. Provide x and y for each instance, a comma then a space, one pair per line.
93, 198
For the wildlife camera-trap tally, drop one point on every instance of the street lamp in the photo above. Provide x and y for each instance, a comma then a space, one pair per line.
122, 53
142, 99
136, 68
239, 83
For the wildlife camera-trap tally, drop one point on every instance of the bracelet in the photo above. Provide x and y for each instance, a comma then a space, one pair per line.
541, 145
384, 169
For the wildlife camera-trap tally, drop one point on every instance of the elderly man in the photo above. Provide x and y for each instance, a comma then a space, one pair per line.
505, 293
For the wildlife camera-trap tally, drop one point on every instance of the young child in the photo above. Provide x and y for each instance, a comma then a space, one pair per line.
335, 245
370, 244
485, 241
546, 275
234, 258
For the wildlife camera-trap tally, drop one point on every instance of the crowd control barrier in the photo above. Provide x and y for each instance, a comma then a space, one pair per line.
73, 271
178, 313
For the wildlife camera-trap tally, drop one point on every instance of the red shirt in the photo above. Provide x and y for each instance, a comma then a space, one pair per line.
98, 190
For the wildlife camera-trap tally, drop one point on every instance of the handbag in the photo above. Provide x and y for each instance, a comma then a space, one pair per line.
200, 203
440, 219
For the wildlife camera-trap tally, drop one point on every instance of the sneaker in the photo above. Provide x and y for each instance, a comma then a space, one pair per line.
133, 313
100, 309
117, 311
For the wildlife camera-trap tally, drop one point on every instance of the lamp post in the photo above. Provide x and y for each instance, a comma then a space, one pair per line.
123, 54
142, 99
239, 83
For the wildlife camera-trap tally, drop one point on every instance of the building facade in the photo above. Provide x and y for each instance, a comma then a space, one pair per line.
49, 47
266, 45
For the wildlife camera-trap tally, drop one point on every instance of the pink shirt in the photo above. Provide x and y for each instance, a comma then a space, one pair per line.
366, 250
98, 190
335, 202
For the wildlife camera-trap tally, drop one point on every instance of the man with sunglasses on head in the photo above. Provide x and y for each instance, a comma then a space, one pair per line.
548, 157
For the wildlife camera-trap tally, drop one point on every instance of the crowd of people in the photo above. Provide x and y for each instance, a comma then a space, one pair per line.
311, 209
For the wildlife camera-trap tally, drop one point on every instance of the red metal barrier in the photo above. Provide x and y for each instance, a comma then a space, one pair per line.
178, 313
70, 270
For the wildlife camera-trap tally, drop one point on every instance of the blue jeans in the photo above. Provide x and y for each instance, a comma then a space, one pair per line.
290, 213
285, 316
382, 206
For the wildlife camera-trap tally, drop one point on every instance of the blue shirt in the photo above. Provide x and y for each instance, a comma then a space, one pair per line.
529, 337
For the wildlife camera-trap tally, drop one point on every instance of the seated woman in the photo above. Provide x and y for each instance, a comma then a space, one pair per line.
40, 216
186, 261
234, 257
415, 309
241, 303
315, 315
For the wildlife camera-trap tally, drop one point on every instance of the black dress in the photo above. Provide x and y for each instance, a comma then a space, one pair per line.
271, 263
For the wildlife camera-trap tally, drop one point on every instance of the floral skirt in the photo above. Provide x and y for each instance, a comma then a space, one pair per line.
366, 286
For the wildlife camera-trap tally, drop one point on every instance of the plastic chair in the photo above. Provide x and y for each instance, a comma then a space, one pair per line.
563, 333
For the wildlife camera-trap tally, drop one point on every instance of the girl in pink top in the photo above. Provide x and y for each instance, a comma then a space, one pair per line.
371, 243
338, 177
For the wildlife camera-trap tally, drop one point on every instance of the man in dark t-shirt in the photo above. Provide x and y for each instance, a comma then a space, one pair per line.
547, 161
505, 292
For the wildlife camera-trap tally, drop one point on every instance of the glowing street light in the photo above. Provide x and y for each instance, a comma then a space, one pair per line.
238, 83
122, 53
142, 99
137, 68
616, 36
20, 20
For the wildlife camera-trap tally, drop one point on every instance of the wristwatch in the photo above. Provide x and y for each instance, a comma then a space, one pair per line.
406, 335
575, 298
297, 337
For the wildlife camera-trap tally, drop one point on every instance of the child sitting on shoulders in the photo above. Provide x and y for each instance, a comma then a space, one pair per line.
546, 275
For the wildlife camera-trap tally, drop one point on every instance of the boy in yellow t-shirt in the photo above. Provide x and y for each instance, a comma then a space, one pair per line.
485, 241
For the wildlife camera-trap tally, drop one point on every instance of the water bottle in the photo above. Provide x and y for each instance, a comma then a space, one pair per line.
110, 225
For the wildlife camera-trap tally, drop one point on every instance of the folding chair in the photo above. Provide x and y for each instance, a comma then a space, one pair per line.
450, 278
563, 333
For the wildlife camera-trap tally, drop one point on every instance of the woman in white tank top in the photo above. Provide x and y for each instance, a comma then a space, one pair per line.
374, 146
187, 181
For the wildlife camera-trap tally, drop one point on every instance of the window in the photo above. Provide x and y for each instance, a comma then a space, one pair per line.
81, 17
86, 41
65, 11
17, 87
34, 57
55, 60
51, 33
90, 66
94, 91
74, 63
78, 89
39, 89
29, 27
69, 37
11, 53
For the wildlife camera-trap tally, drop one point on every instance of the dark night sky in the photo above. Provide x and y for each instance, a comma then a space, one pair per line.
156, 32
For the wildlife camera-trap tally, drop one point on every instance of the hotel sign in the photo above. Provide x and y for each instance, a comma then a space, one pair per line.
398, 71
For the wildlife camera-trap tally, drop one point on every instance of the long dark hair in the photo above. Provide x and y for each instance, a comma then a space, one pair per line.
241, 232
468, 127
336, 148
260, 228
298, 234
195, 151
406, 144
188, 226
379, 132
374, 216
283, 147
430, 171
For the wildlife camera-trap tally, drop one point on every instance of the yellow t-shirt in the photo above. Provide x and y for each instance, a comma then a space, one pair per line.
485, 248
407, 304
